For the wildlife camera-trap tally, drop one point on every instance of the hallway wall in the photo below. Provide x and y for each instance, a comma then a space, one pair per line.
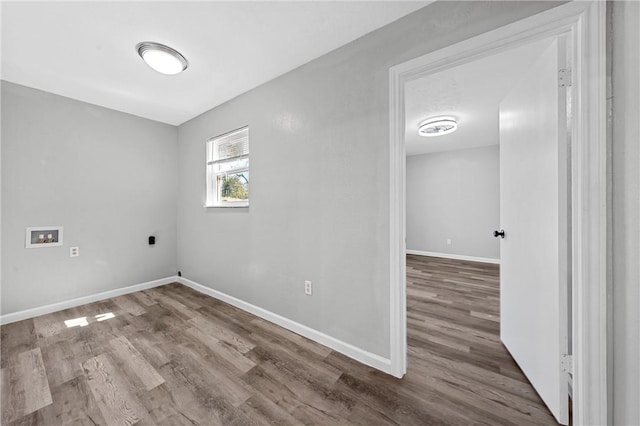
454, 195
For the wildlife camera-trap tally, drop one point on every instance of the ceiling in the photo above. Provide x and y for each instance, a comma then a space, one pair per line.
86, 50
470, 92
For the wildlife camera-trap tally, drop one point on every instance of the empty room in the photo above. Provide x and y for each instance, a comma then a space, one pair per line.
310, 212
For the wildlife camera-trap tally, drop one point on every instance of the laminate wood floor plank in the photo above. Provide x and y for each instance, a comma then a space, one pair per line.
365, 416
221, 333
173, 305
36, 385
188, 299
143, 298
25, 387
222, 383
172, 356
395, 402
161, 320
135, 363
287, 338
16, 337
288, 361
461, 387
312, 394
472, 372
113, 392
49, 325
60, 363
186, 397
219, 312
261, 407
462, 333
294, 351
223, 352
208, 400
9, 402
150, 348
163, 409
73, 403
128, 303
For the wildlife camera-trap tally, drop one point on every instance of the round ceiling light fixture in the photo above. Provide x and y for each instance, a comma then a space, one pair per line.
162, 58
437, 126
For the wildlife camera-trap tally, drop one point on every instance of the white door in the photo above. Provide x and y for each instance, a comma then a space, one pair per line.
533, 214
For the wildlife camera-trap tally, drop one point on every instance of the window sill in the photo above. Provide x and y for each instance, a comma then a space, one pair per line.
227, 206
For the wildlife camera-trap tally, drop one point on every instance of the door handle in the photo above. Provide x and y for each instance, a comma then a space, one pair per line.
498, 233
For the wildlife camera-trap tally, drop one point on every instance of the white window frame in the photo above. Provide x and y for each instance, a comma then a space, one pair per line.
213, 196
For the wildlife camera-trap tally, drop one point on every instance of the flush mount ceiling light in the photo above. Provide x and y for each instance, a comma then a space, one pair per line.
437, 126
162, 58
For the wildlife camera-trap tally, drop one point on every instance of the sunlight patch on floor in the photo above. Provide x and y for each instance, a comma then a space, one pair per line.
82, 321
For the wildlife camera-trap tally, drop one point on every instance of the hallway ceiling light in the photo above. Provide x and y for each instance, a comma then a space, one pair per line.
437, 126
162, 58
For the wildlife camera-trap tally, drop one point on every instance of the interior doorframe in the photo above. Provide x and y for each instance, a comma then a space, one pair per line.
584, 23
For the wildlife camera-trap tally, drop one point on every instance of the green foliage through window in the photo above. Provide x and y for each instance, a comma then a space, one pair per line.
234, 187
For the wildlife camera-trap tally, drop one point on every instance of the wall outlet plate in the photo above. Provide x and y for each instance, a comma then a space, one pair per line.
74, 252
308, 288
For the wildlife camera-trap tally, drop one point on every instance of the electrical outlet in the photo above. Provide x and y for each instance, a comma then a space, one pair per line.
74, 252
449, 241
308, 289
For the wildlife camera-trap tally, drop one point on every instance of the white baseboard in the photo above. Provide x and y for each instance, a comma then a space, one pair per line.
361, 355
59, 306
454, 256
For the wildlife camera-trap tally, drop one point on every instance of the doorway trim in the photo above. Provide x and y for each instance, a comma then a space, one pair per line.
584, 23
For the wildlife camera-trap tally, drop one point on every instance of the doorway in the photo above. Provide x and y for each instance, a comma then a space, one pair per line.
501, 165
583, 25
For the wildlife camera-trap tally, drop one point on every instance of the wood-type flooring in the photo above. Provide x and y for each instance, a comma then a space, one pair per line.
172, 356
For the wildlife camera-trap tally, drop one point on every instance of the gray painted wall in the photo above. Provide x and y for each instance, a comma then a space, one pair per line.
108, 177
320, 180
454, 195
626, 212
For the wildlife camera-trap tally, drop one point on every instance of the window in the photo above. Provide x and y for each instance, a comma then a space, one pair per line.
228, 169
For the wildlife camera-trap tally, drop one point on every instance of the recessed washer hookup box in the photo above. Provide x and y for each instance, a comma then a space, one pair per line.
43, 236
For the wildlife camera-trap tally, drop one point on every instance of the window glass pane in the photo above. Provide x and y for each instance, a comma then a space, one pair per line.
233, 186
232, 145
